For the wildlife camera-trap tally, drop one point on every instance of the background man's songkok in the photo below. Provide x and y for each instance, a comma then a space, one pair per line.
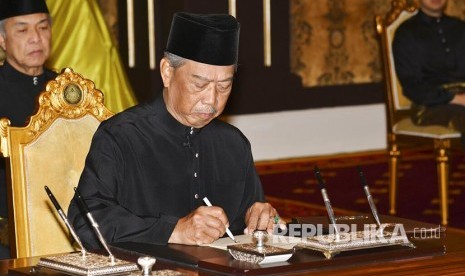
12, 8
211, 39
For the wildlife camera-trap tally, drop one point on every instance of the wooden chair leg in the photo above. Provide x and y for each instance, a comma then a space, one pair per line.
442, 162
393, 158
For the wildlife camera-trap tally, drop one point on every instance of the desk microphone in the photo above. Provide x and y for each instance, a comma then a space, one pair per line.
65, 219
94, 224
369, 197
322, 186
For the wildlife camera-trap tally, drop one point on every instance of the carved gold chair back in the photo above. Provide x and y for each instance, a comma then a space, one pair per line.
400, 127
49, 151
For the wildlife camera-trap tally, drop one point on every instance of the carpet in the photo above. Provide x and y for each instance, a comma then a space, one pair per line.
292, 188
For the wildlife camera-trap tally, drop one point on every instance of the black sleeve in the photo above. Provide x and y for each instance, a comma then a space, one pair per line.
253, 189
103, 174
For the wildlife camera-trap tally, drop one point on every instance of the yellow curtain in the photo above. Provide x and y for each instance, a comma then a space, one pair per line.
81, 40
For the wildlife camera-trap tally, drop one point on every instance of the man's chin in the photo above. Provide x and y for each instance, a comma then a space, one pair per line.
35, 60
202, 122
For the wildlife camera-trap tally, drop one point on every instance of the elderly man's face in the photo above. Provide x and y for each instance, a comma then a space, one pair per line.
196, 93
27, 42
433, 7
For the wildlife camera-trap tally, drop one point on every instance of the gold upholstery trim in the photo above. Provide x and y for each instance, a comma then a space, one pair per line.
64, 145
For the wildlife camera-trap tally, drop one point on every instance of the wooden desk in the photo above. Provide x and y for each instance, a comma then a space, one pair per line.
440, 255
401, 261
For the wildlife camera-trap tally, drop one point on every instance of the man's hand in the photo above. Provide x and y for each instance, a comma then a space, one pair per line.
262, 216
203, 226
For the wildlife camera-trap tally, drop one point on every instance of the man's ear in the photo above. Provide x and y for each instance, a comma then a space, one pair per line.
166, 71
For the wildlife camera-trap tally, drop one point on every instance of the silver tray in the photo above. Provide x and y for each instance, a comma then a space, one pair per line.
90, 264
331, 245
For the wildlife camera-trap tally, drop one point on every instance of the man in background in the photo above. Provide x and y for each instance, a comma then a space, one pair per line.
149, 167
429, 55
25, 35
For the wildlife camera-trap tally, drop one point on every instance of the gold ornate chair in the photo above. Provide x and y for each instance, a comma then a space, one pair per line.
400, 128
50, 151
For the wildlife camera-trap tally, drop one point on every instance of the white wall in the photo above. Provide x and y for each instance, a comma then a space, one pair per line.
311, 132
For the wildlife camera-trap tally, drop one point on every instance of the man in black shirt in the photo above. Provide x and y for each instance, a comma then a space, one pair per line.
25, 34
430, 64
149, 167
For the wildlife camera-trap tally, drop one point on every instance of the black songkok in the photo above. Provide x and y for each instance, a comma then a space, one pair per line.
206, 38
12, 8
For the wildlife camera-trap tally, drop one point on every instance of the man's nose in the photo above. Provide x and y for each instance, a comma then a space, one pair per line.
210, 95
34, 35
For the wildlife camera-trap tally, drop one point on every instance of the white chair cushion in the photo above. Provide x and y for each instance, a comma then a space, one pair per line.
407, 127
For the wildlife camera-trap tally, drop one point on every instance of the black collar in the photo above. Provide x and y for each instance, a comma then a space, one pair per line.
430, 19
10, 74
173, 125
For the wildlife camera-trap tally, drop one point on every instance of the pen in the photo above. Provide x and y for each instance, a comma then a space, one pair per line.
369, 197
324, 193
64, 218
208, 203
94, 224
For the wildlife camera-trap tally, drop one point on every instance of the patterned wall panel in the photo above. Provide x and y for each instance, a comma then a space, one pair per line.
333, 42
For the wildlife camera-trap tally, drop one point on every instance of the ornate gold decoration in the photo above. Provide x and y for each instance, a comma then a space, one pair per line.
71, 96
397, 6
4, 124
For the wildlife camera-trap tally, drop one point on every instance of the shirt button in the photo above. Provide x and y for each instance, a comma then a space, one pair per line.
447, 50
196, 196
440, 31
197, 155
195, 174
443, 40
